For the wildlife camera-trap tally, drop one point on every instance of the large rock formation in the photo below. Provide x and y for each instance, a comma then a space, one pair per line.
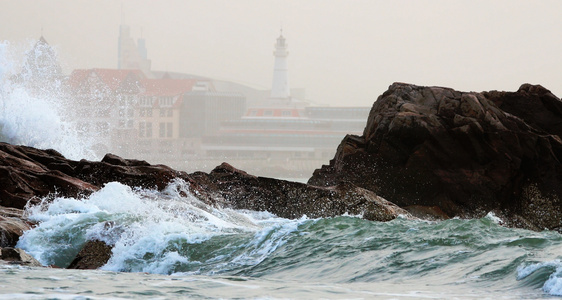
462, 153
237, 189
28, 175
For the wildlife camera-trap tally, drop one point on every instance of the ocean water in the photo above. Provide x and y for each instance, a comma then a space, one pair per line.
168, 246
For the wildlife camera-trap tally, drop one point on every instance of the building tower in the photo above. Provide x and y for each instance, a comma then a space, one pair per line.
280, 87
131, 56
41, 61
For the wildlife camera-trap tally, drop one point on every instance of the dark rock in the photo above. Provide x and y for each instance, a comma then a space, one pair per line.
25, 176
134, 174
113, 159
237, 189
93, 255
463, 153
18, 257
12, 226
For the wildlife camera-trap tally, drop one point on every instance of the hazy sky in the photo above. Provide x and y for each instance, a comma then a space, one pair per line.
344, 53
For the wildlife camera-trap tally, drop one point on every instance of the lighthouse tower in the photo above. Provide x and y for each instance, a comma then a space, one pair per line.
280, 87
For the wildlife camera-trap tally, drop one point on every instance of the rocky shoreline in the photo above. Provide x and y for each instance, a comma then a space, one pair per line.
426, 152
465, 153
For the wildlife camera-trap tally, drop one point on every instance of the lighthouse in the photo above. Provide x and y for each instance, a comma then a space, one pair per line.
280, 87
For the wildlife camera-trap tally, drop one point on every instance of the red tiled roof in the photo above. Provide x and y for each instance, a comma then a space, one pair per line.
77, 77
113, 78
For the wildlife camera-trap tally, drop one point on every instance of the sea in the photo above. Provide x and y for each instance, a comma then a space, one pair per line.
169, 245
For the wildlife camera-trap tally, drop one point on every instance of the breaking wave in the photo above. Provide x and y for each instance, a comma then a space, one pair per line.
167, 233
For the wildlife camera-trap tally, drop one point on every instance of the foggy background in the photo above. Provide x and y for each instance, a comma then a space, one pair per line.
342, 54
345, 53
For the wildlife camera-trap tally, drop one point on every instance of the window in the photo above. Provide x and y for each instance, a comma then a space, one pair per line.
149, 112
162, 131
142, 112
162, 112
268, 113
170, 130
130, 124
170, 112
130, 112
286, 113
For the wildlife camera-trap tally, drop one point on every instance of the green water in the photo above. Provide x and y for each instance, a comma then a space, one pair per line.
338, 258
171, 247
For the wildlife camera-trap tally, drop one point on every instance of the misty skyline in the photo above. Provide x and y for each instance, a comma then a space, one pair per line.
345, 53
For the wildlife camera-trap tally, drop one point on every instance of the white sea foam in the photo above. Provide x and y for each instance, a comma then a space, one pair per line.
36, 117
553, 286
492, 216
147, 228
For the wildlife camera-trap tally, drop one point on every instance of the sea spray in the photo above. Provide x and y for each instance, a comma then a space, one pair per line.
35, 108
152, 231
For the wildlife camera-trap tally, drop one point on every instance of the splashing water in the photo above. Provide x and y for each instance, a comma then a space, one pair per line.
552, 269
152, 231
172, 234
36, 115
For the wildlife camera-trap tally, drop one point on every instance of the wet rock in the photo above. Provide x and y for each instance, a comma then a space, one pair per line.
26, 175
17, 256
12, 226
93, 255
463, 153
237, 189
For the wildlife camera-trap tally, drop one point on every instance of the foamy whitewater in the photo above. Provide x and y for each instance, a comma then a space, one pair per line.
36, 119
169, 246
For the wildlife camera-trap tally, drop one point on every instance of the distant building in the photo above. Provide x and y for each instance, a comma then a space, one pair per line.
41, 71
280, 88
159, 109
104, 103
195, 123
128, 113
132, 55
286, 137
203, 112
281, 134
